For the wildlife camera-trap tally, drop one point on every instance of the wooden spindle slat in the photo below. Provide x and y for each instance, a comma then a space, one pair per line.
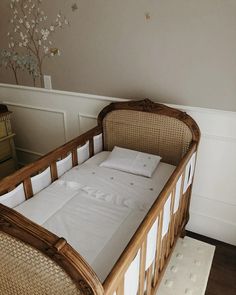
179, 216
176, 221
53, 169
149, 279
179, 212
163, 251
167, 243
28, 188
74, 157
121, 287
181, 221
103, 140
142, 267
174, 227
188, 200
91, 148
158, 248
171, 225
173, 220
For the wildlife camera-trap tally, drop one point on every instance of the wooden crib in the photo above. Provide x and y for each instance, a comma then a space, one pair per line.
36, 261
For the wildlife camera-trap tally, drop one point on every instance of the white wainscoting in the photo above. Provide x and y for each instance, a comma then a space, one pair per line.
37, 125
86, 122
44, 119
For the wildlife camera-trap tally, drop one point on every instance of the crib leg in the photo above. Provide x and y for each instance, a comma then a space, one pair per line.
163, 252
183, 233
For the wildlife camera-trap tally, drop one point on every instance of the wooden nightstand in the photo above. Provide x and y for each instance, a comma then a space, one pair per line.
8, 160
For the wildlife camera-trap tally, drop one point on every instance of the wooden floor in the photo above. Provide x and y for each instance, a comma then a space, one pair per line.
222, 280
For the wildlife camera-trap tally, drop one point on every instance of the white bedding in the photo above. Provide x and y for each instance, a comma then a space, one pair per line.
96, 209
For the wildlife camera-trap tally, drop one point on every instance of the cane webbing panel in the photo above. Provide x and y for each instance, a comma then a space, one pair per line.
147, 132
26, 271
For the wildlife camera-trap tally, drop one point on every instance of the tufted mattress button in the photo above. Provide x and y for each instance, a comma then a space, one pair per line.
193, 277
197, 262
179, 255
169, 283
174, 269
188, 291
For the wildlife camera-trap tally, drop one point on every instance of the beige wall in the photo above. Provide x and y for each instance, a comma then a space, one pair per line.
184, 54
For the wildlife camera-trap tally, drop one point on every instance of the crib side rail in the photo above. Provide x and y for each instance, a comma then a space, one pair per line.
24, 175
137, 258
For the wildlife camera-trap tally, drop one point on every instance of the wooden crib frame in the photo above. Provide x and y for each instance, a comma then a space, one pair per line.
76, 276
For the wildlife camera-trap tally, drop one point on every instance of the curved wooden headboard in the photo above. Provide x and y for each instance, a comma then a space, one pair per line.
148, 127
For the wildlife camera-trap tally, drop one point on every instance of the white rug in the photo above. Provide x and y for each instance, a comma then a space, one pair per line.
188, 269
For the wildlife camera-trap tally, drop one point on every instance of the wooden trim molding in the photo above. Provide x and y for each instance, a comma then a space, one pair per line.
60, 92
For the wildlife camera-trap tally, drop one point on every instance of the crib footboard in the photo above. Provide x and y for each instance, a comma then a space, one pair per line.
142, 264
35, 261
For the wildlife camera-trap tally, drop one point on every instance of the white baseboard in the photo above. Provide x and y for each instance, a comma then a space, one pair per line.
212, 227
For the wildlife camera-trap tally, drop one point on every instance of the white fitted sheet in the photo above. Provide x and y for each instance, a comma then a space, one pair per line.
96, 209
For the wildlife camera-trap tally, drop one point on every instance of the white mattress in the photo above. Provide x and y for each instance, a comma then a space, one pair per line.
96, 209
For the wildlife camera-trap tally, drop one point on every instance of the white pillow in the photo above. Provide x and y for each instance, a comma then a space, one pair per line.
131, 161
